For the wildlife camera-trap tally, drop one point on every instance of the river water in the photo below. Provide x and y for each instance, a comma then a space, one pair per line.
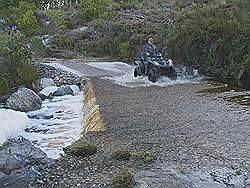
57, 124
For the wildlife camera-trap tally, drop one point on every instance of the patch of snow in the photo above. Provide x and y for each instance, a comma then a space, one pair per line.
12, 124
49, 90
62, 126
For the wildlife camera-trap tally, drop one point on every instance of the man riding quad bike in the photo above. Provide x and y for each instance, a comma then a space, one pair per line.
153, 65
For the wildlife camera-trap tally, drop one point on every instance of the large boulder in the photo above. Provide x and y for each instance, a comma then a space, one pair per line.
45, 82
244, 77
48, 40
24, 100
19, 162
83, 29
47, 93
64, 90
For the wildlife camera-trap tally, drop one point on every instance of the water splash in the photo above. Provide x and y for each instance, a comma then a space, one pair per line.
129, 80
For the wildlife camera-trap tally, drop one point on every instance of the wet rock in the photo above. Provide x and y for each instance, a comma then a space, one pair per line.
48, 40
48, 117
36, 130
75, 88
2, 176
46, 82
79, 30
13, 162
19, 160
21, 177
24, 100
47, 93
4, 98
44, 97
34, 116
63, 90
244, 77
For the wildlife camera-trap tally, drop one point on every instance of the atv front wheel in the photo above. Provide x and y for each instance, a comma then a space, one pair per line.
137, 72
173, 74
152, 75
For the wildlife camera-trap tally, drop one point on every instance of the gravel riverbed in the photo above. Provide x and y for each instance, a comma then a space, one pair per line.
201, 140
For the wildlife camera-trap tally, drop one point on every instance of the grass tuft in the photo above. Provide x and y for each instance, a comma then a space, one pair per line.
121, 154
145, 157
81, 148
123, 180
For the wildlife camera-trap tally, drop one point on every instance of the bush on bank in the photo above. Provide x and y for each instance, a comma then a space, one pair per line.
214, 38
16, 68
92, 9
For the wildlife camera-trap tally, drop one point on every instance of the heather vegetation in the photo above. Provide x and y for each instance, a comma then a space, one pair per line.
16, 68
213, 36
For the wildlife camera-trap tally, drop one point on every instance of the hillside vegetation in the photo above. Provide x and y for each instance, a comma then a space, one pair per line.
211, 35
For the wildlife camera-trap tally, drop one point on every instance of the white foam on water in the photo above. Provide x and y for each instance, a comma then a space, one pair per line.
129, 80
62, 126
117, 67
12, 123
62, 67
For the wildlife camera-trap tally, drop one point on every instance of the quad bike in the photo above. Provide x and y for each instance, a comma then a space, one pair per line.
154, 67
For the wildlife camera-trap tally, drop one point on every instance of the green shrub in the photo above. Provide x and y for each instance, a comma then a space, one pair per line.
5, 87
81, 148
22, 8
123, 179
59, 23
121, 154
214, 38
64, 42
28, 23
27, 74
37, 47
124, 51
24, 16
4, 40
127, 4
146, 157
92, 9
16, 68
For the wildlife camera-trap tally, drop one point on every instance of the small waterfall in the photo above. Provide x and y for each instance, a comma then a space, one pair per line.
92, 118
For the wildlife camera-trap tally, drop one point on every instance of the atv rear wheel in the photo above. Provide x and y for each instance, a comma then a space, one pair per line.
137, 72
152, 75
